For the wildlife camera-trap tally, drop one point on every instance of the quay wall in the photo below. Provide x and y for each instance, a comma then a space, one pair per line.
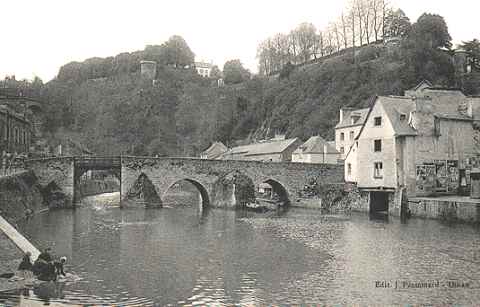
449, 210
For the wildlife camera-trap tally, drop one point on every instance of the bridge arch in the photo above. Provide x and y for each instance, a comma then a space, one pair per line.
279, 188
199, 186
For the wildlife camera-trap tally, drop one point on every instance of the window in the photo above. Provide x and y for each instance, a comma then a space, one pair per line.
342, 136
352, 135
349, 169
377, 121
377, 145
403, 117
436, 124
342, 150
378, 170
354, 119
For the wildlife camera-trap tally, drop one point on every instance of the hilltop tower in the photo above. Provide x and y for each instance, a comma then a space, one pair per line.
148, 69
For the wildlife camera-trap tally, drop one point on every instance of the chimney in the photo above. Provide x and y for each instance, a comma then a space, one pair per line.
325, 151
341, 115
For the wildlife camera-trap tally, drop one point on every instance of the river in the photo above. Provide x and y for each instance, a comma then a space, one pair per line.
184, 256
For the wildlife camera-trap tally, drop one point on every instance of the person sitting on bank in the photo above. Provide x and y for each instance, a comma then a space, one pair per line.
59, 270
26, 264
45, 255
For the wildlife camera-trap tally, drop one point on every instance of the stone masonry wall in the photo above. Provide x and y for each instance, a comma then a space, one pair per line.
20, 194
164, 172
59, 171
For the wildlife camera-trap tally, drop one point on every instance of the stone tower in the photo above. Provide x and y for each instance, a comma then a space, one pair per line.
148, 69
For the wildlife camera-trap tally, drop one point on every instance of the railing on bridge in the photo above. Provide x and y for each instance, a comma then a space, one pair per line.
98, 162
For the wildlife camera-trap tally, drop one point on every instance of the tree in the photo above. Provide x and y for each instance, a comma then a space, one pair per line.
423, 54
305, 37
473, 50
286, 70
431, 30
397, 24
177, 52
234, 72
215, 73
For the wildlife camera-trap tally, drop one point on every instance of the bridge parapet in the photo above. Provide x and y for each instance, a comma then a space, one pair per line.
164, 172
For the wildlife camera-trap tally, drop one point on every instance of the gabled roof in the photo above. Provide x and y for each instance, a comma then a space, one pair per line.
215, 150
267, 147
395, 107
423, 84
348, 113
215, 146
316, 144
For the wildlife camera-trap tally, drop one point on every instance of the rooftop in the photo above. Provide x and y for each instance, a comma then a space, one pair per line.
316, 144
361, 115
268, 147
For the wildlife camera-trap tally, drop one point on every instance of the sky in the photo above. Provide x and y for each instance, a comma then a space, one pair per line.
39, 36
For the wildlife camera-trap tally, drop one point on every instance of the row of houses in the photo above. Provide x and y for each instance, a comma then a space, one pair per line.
424, 143
278, 149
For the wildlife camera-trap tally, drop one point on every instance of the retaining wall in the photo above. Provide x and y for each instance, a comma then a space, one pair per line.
445, 210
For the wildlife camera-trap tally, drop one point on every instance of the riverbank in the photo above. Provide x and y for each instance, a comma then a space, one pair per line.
9, 261
20, 197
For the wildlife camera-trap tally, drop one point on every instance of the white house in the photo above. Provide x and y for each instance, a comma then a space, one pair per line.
316, 150
347, 129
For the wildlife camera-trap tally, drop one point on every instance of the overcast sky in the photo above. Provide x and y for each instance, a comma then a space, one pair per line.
39, 36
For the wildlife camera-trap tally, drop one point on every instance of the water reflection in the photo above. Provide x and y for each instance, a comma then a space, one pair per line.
181, 255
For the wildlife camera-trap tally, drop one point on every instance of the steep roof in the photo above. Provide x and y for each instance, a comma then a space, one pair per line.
268, 147
316, 144
348, 113
215, 150
398, 110
215, 146
422, 84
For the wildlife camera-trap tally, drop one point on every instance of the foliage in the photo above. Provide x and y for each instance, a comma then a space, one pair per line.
423, 51
234, 72
431, 31
177, 52
244, 189
397, 24
112, 110
473, 50
286, 70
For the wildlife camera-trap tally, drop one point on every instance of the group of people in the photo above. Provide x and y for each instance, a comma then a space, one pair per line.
45, 268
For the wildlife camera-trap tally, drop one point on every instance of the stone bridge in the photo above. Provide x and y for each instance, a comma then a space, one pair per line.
286, 178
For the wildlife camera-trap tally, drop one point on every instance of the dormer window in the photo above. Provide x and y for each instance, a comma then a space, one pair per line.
354, 119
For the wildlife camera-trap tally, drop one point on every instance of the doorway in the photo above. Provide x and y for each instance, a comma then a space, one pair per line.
378, 201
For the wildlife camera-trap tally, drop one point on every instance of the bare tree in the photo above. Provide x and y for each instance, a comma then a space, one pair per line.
344, 26
305, 35
336, 33
293, 46
377, 17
